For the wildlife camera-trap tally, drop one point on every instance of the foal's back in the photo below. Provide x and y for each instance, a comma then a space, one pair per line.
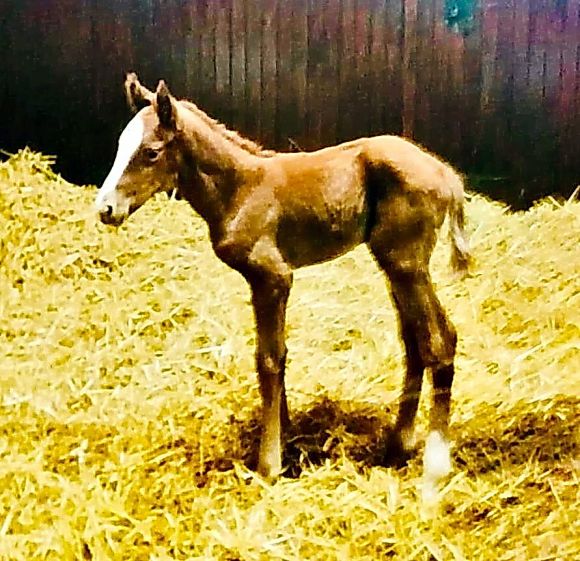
409, 163
327, 201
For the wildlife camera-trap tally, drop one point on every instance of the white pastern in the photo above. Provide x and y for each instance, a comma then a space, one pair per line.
437, 458
436, 464
129, 142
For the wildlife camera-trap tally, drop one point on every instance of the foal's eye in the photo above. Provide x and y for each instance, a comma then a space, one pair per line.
152, 154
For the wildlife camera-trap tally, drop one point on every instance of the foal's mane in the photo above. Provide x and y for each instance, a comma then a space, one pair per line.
234, 137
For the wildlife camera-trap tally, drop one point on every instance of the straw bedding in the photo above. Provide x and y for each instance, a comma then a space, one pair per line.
129, 406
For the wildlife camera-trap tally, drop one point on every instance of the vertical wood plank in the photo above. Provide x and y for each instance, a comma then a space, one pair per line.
222, 56
364, 66
192, 53
287, 125
569, 44
457, 111
268, 72
238, 65
330, 98
394, 36
438, 85
300, 66
349, 71
521, 41
340, 74
503, 118
520, 109
378, 79
253, 43
489, 29
409, 77
569, 106
316, 54
208, 55
552, 71
472, 109
422, 65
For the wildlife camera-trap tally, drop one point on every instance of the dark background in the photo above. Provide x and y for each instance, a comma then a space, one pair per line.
491, 85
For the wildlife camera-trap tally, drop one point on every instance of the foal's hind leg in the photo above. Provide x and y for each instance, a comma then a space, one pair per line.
402, 440
402, 243
436, 342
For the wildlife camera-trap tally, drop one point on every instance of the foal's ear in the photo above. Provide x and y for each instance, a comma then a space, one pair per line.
166, 110
138, 96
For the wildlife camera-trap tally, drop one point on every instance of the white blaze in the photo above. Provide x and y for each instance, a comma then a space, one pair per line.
129, 142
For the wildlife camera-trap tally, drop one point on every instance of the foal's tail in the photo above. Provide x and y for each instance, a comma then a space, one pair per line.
460, 252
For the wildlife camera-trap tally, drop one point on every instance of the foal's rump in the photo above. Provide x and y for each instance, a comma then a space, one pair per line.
414, 167
423, 177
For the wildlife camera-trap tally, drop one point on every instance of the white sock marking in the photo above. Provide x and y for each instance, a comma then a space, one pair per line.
129, 143
437, 458
436, 464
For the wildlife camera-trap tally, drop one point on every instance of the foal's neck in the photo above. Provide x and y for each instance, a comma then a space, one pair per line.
214, 168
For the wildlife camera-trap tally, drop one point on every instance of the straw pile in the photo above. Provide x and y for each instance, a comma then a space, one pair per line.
128, 397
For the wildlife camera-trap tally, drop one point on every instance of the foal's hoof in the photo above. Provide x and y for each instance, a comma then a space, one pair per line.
396, 453
269, 474
268, 479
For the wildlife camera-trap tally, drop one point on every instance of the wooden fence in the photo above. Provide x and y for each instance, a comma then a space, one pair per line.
492, 85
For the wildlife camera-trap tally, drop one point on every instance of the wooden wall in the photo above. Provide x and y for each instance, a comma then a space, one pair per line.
492, 85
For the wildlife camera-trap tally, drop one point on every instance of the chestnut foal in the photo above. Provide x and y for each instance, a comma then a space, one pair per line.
270, 213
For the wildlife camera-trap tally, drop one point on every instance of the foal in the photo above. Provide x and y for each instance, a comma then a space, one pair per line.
270, 213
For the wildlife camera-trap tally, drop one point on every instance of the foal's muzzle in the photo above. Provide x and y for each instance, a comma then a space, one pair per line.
107, 217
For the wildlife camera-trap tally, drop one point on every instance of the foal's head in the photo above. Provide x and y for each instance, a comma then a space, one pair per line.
148, 158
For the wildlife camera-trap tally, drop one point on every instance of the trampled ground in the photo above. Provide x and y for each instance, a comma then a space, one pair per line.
128, 400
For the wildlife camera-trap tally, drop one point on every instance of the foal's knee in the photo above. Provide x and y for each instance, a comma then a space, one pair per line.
270, 368
270, 364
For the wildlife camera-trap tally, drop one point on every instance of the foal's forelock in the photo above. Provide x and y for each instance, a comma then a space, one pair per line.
129, 142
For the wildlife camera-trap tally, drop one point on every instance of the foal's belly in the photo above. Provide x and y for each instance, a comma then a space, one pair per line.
310, 239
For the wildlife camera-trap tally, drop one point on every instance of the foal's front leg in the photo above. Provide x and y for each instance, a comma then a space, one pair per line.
269, 298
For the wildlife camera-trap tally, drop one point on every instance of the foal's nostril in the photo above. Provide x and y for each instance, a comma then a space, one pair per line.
106, 214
